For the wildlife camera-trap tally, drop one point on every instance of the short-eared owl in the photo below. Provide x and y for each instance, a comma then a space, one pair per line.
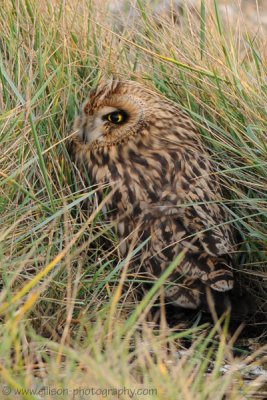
164, 187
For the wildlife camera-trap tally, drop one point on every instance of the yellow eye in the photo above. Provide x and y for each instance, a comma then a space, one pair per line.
116, 117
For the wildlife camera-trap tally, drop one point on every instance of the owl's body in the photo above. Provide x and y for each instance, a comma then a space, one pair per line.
164, 187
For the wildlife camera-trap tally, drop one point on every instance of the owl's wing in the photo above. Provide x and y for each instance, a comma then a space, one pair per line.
195, 198
198, 270
210, 223
201, 229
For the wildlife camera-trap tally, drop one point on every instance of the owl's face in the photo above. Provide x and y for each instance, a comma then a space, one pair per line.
114, 112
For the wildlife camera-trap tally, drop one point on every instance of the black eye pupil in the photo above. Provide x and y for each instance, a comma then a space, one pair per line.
115, 117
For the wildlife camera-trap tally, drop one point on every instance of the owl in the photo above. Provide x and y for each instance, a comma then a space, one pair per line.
164, 188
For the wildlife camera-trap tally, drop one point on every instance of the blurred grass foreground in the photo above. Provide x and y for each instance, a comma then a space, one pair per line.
67, 324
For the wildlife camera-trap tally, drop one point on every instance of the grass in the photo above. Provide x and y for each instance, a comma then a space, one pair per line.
67, 325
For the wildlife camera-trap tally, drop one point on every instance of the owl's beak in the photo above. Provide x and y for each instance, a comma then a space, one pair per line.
84, 135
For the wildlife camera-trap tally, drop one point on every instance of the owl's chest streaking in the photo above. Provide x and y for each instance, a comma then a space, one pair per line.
150, 180
135, 180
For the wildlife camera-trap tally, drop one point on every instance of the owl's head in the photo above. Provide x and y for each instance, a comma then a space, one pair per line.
115, 111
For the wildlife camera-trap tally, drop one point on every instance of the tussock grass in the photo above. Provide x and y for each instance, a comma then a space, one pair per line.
65, 320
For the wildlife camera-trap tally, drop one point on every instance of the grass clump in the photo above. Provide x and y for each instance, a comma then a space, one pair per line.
65, 320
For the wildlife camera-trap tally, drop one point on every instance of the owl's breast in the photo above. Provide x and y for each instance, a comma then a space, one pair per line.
139, 182
142, 178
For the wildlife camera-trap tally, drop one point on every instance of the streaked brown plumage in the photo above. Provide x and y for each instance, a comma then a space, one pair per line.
163, 186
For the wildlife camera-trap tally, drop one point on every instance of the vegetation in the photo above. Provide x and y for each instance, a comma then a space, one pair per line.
67, 323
